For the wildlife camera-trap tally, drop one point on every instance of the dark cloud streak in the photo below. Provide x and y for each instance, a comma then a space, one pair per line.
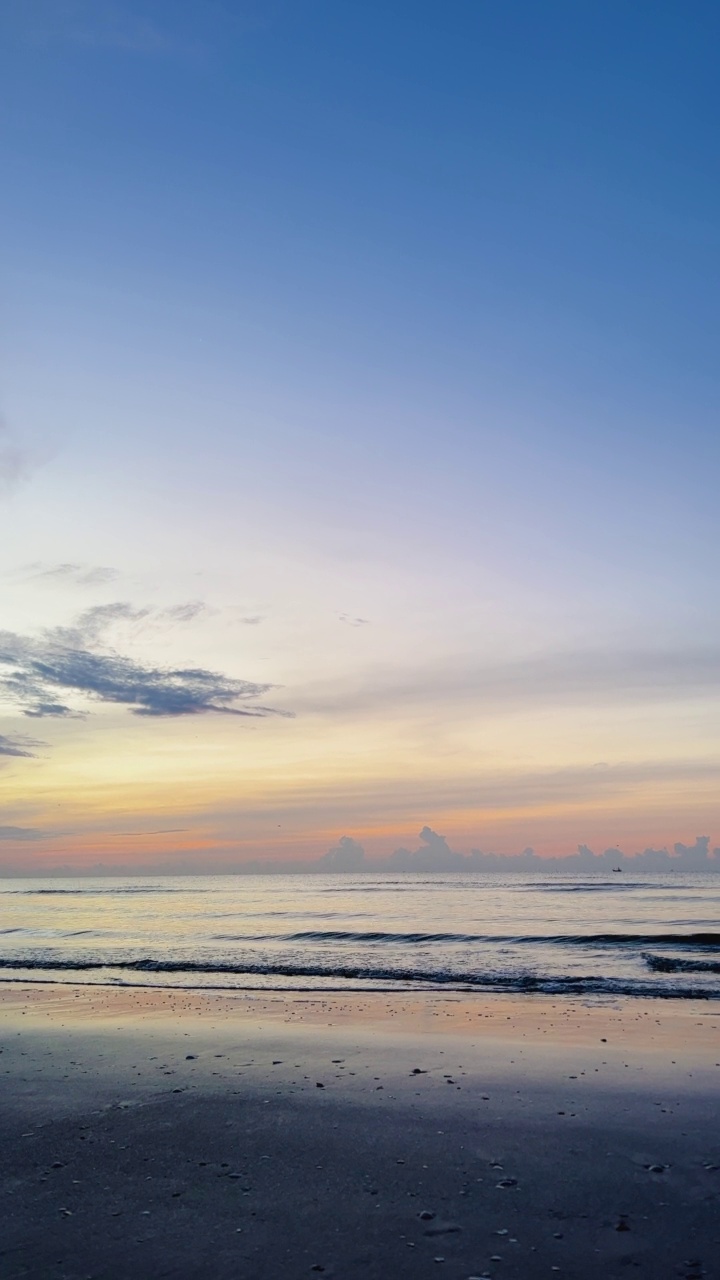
72, 660
18, 746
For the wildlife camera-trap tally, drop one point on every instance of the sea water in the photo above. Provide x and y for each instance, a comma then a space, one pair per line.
603, 934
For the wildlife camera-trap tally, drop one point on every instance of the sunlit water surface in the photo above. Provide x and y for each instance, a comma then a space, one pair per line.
605, 934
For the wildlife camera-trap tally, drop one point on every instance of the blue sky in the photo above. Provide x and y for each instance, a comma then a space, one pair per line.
320, 312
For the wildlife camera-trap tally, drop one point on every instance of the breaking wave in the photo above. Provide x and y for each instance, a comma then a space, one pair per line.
556, 984
419, 939
679, 964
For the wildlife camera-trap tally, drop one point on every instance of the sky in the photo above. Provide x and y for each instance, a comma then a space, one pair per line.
359, 439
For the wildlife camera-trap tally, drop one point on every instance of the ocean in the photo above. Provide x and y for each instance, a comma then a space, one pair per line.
598, 935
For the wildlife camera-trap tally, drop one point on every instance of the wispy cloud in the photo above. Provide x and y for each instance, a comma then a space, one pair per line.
240, 615
18, 745
160, 831
79, 575
184, 612
581, 678
39, 673
90, 626
14, 461
21, 833
350, 621
484, 794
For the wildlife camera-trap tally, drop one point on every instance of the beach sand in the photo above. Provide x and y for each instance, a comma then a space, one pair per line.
149, 1133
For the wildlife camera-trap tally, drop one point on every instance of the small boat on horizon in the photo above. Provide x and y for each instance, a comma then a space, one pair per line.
617, 869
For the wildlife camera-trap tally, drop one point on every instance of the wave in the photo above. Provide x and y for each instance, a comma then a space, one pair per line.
93, 891
345, 935
408, 883
708, 940
422, 979
292, 915
409, 978
609, 886
678, 964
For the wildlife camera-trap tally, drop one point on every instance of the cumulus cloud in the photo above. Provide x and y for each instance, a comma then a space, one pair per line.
347, 855
38, 674
435, 855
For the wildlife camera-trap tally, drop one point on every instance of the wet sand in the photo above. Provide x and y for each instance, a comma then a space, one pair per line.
179, 1134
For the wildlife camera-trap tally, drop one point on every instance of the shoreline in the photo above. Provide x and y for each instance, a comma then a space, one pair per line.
688, 1027
187, 1134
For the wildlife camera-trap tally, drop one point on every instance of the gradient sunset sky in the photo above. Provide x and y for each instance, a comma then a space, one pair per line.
360, 444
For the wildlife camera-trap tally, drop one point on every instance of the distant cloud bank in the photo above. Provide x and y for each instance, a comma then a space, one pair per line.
434, 854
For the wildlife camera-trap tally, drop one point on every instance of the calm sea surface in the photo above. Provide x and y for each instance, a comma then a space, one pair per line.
604, 935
